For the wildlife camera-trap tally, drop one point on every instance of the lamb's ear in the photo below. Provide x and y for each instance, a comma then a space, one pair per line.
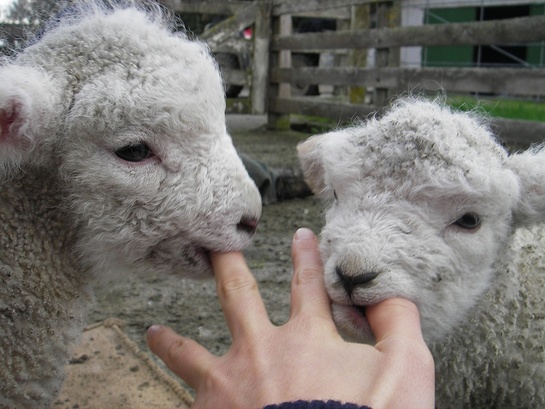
311, 159
29, 104
529, 166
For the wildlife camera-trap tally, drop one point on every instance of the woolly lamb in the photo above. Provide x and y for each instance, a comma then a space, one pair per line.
114, 157
427, 206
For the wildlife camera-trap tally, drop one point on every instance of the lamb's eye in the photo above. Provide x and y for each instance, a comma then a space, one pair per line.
134, 153
469, 221
335, 195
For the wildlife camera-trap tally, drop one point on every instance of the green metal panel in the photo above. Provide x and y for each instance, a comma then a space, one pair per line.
536, 52
455, 56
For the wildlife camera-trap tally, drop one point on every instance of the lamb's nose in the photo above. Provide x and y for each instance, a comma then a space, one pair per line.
350, 282
248, 225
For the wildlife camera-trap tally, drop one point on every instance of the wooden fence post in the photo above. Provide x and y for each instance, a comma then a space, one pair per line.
388, 15
282, 90
359, 19
259, 88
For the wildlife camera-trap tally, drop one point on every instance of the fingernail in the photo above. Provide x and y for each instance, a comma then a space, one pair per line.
303, 234
153, 329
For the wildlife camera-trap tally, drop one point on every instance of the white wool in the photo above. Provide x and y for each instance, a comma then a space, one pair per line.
73, 210
403, 191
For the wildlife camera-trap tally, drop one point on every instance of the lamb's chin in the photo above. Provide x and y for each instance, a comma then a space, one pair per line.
352, 324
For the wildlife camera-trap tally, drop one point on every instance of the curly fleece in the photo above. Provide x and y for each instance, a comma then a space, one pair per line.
114, 158
423, 203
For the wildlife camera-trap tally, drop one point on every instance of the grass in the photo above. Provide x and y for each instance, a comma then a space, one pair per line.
503, 108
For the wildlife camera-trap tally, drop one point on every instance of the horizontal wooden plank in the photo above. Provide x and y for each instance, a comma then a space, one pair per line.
499, 32
326, 76
519, 133
337, 111
341, 13
204, 7
512, 81
525, 82
295, 7
511, 132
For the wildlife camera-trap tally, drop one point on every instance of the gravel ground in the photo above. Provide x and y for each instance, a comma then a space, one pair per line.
191, 307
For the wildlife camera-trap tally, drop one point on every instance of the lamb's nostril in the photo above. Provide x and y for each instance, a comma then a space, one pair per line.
365, 278
350, 282
248, 225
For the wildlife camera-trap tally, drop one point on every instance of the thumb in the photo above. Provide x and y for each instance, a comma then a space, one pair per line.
395, 318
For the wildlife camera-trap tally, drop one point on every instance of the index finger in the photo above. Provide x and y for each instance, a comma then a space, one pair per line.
238, 294
308, 289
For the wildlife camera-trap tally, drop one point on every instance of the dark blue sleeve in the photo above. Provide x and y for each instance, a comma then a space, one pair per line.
315, 404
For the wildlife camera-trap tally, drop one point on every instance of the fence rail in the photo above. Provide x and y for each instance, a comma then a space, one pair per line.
512, 31
513, 81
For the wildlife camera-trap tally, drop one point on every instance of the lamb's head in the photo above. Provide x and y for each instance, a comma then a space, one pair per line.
423, 203
131, 116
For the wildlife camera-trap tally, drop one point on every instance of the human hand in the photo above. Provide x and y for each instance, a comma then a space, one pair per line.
306, 358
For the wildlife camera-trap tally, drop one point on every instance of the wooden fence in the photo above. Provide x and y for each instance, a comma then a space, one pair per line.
358, 84
359, 87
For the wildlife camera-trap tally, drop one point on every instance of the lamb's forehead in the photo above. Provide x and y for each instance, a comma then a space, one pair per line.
113, 57
121, 42
417, 139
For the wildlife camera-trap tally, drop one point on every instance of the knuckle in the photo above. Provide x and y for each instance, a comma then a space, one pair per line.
308, 275
175, 350
236, 285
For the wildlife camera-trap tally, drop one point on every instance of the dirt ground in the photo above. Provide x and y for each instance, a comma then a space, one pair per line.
191, 307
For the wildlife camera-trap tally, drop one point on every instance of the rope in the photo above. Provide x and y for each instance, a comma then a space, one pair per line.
117, 324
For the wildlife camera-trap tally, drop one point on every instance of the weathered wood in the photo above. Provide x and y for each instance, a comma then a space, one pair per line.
513, 81
516, 132
341, 13
286, 28
387, 77
205, 7
360, 19
276, 119
387, 16
294, 7
337, 111
504, 32
260, 60
231, 26
524, 82
509, 131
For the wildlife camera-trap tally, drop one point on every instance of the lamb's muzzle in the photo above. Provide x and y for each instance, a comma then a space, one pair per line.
248, 225
351, 282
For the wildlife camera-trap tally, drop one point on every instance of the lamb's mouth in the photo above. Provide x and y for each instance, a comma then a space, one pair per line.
197, 256
352, 322
194, 257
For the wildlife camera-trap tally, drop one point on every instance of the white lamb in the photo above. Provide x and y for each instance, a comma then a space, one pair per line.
114, 157
428, 206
